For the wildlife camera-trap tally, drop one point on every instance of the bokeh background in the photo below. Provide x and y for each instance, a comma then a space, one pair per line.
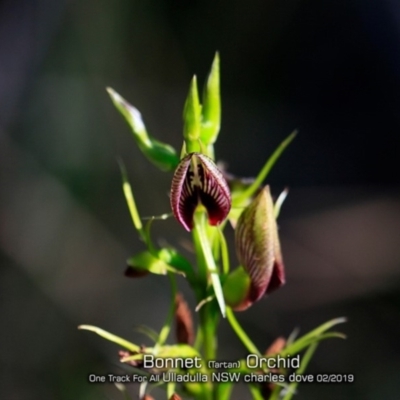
329, 69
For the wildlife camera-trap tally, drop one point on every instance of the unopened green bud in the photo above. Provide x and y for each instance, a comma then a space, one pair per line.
258, 248
192, 118
211, 111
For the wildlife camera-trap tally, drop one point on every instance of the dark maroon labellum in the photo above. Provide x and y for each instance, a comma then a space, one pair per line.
197, 180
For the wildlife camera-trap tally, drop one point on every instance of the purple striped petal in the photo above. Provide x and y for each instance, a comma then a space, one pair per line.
198, 180
258, 248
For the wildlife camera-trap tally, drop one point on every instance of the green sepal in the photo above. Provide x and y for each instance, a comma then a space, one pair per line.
236, 288
192, 118
211, 111
161, 154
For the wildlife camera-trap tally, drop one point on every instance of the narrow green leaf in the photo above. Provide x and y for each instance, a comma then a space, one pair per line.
130, 201
145, 330
314, 335
299, 346
237, 201
242, 335
111, 337
161, 154
174, 351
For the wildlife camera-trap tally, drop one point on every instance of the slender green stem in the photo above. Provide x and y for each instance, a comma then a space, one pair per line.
168, 323
250, 346
209, 326
170, 389
223, 391
205, 247
208, 313
199, 339
255, 392
224, 252
147, 234
215, 245
132, 207
130, 200
207, 330
201, 262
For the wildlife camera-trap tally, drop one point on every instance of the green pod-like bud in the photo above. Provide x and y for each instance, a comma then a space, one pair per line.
161, 154
211, 110
192, 118
258, 248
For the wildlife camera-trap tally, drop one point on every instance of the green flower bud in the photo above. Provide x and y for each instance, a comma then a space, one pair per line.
211, 111
192, 118
258, 248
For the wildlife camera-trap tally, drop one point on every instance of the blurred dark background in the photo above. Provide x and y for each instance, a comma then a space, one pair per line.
329, 69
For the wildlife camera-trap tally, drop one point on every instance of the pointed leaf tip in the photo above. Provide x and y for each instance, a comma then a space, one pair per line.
211, 111
161, 154
192, 117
